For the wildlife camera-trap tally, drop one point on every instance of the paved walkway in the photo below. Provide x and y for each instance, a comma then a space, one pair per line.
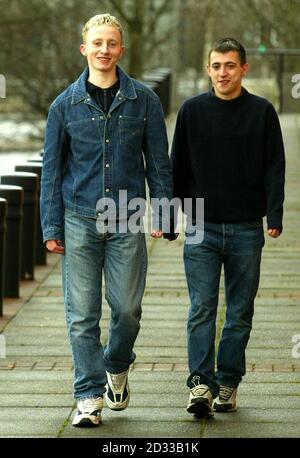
36, 375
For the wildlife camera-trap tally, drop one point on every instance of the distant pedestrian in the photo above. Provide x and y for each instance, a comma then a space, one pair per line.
105, 134
227, 149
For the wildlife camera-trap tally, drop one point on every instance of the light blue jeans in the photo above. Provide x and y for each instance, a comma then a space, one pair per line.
123, 259
238, 248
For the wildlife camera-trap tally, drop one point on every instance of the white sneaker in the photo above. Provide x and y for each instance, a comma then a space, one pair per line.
117, 391
88, 412
226, 401
200, 401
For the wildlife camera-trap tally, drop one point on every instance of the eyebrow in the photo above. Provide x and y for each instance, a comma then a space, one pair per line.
228, 62
101, 39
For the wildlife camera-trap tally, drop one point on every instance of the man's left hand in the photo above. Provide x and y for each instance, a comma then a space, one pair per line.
274, 233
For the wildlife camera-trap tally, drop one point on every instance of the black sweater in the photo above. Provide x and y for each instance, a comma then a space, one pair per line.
231, 153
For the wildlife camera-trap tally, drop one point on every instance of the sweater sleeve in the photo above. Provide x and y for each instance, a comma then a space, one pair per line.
180, 157
274, 176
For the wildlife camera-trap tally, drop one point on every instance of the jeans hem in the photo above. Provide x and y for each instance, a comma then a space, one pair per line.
88, 396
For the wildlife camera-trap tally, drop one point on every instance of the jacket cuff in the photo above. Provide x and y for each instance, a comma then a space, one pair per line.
53, 233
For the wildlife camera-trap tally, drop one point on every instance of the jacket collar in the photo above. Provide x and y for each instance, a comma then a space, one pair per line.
126, 90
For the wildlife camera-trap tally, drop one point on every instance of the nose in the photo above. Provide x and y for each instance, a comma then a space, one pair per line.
104, 48
223, 70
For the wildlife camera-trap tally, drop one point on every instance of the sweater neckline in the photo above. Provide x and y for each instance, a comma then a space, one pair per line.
236, 101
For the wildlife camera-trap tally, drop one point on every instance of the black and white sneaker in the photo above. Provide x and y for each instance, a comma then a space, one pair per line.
200, 401
88, 412
117, 391
226, 401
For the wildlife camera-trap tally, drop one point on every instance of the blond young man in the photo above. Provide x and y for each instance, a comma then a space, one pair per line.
105, 135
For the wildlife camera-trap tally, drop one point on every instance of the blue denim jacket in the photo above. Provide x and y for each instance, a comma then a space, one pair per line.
89, 155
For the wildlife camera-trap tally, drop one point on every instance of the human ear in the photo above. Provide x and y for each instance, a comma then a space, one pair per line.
245, 68
83, 49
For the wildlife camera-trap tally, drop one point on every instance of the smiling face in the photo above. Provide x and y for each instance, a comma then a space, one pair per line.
103, 48
226, 73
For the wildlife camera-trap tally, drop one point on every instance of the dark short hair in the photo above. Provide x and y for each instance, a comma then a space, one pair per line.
229, 44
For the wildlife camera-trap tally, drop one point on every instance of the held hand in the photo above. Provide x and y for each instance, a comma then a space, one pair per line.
55, 246
159, 234
156, 234
274, 233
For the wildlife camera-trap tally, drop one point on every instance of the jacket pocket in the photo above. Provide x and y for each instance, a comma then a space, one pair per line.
131, 131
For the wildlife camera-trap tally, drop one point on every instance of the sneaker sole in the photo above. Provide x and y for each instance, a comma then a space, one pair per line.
87, 422
200, 410
223, 408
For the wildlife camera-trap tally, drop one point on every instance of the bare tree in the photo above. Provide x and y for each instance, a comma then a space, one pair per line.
40, 40
142, 20
39, 52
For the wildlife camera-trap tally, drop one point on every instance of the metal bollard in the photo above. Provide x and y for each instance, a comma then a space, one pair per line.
161, 78
15, 197
40, 248
151, 85
158, 79
167, 87
36, 160
3, 213
30, 184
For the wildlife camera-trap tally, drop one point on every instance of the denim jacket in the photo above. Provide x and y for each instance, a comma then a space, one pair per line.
89, 155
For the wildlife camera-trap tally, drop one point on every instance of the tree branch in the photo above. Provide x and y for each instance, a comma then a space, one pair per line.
120, 11
163, 39
159, 11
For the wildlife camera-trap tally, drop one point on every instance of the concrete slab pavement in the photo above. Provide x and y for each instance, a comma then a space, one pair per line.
36, 375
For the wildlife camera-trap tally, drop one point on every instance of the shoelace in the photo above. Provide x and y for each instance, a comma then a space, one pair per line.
89, 405
200, 390
225, 392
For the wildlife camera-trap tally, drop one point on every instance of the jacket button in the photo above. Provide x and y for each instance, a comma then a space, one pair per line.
107, 140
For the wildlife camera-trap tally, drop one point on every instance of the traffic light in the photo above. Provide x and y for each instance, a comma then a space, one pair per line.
262, 48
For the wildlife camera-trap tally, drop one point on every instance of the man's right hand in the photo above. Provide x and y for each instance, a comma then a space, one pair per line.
55, 246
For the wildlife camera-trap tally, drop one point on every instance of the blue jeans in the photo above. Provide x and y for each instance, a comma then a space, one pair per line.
123, 259
238, 248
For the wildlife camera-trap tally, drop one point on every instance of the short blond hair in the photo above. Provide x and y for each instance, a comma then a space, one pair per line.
101, 19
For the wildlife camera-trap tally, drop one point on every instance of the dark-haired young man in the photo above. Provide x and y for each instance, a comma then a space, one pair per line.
227, 149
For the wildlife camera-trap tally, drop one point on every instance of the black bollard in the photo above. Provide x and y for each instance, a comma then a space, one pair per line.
15, 197
30, 183
161, 78
167, 88
38, 160
158, 79
151, 85
3, 213
40, 248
